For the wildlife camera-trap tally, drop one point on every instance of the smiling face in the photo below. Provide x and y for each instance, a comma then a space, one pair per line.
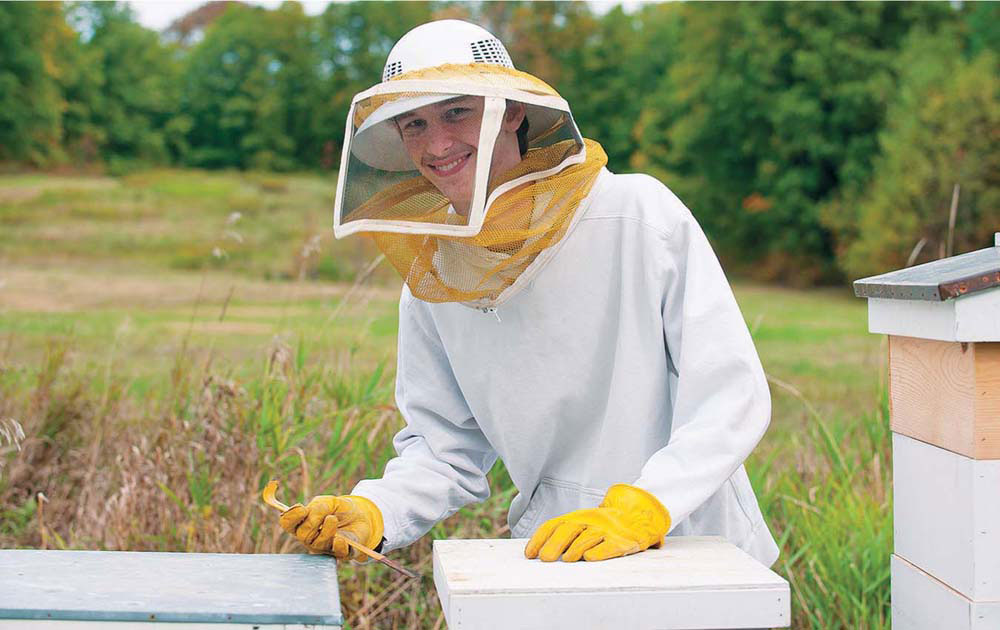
442, 139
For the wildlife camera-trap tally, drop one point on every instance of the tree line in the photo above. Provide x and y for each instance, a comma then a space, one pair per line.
814, 141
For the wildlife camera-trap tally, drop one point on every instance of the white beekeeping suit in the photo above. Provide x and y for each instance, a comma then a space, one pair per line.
571, 321
623, 359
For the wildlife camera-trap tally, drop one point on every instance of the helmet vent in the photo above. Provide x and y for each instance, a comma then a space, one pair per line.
392, 69
490, 51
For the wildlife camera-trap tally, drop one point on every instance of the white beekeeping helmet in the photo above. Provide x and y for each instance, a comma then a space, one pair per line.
442, 42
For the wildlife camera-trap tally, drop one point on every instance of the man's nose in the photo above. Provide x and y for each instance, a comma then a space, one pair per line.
439, 141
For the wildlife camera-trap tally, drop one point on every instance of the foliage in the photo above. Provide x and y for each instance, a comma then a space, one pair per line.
604, 77
31, 103
835, 537
133, 93
943, 131
768, 111
248, 89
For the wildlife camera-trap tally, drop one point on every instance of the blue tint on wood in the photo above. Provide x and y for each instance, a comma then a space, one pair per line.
170, 587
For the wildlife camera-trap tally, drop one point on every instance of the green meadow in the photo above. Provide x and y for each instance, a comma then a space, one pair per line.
171, 339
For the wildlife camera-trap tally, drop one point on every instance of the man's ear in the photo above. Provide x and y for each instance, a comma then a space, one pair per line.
513, 116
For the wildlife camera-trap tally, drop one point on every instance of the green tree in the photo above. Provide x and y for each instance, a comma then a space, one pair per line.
138, 87
249, 90
983, 23
82, 82
285, 86
608, 70
943, 130
767, 113
31, 101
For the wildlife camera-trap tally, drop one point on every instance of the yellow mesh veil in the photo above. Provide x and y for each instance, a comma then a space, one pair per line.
518, 226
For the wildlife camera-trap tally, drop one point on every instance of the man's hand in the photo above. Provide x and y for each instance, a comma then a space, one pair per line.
629, 520
321, 524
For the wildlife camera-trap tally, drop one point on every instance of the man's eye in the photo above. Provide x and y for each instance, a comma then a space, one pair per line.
414, 126
456, 113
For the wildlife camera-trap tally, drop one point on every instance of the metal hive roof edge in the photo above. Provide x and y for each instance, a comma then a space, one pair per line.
938, 280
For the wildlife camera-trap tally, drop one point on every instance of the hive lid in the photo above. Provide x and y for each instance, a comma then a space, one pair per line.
170, 587
690, 582
938, 280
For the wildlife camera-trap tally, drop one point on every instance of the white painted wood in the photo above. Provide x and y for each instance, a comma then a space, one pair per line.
977, 316
974, 317
946, 516
920, 602
912, 318
691, 582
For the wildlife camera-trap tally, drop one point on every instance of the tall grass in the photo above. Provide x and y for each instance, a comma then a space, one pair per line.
182, 470
833, 515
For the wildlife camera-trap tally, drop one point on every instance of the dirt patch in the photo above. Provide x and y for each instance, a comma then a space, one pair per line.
74, 289
19, 195
223, 327
275, 312
19, 189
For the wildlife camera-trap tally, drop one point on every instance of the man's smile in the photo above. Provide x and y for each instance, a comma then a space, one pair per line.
449, 166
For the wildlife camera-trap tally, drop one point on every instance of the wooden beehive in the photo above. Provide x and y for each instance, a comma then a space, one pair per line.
943, 322
690, 582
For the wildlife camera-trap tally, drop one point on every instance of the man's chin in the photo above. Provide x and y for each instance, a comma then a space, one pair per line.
461, 209
460, 206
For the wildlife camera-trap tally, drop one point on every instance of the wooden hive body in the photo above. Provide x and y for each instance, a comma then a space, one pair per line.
691, 582
943, 322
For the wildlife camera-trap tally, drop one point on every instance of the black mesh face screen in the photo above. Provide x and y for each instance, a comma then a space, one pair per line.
490, 51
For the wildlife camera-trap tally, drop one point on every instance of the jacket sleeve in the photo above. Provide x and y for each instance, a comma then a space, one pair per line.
442, 455
721, 401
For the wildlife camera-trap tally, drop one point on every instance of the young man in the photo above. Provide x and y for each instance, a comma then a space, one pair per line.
573, 322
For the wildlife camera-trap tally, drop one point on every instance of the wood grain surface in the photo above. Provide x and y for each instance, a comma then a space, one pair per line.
946, 394
987, 401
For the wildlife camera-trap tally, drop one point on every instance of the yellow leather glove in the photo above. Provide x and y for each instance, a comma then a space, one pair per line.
629, 520
321, 524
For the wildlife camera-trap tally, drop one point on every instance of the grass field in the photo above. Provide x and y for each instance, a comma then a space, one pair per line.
171, 339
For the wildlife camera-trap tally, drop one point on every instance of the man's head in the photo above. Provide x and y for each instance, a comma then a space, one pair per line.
442, 140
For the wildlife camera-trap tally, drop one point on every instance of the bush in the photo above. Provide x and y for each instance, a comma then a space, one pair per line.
942, 131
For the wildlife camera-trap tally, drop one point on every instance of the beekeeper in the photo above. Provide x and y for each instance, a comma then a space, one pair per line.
573, 322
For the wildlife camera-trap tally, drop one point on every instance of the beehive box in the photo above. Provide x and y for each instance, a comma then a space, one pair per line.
946, 516
922, 602
181, 591
943, 322
691, 582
